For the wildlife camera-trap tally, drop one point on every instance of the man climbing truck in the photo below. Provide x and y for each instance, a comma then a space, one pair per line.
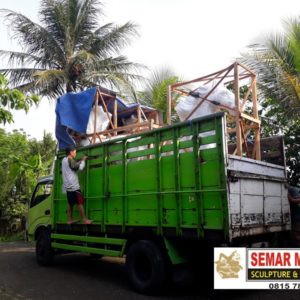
159, 197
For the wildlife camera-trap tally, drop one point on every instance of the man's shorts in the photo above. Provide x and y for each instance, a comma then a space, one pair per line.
75, 197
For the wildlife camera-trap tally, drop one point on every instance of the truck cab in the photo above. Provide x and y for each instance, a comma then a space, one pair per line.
40, 206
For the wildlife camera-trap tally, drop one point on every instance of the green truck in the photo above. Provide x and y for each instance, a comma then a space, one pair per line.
159, 198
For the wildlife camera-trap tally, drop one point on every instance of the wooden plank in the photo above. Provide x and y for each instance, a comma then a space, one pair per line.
201, 78
237, 106
123, 128
246, 68
139, 114
156, 118
95, 117
250, 118
115, 114
143, 114
247, 94
106, 110
255, 113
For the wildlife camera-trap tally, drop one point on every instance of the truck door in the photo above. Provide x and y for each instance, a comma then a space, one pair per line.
39, 213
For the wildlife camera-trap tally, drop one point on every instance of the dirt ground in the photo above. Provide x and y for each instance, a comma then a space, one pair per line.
78, 276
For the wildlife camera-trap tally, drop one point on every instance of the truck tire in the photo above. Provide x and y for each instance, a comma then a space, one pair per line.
43, 250
146, 267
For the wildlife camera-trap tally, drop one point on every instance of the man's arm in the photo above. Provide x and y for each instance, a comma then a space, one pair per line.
73, 164
77, 165
293, 199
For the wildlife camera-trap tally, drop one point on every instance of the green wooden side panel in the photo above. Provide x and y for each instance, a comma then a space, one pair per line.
173, 177
141, 176
187, 168
114, 211
142, 210
95, 210
58, 190
169, 217
167, 168
96, 182
115, 183
212, 200
213, 219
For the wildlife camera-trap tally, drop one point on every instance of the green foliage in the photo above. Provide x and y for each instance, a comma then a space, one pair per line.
23, 161
155, 93
13, 100
68, 50
277, 64
15, 209
46, 150
292, 143
159, 92
12, 238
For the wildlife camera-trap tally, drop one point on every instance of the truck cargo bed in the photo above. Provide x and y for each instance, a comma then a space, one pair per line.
176, 181
257, 197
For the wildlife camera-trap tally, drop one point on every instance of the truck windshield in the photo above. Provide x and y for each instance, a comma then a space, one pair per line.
41, 192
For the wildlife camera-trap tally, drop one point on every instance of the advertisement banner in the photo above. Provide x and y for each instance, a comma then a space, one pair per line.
256, 268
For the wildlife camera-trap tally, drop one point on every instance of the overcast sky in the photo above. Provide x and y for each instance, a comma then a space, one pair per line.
192, 37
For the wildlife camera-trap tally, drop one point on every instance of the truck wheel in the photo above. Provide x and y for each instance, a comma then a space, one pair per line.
146, 267
43, 250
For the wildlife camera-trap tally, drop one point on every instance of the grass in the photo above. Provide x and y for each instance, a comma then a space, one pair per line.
12, 238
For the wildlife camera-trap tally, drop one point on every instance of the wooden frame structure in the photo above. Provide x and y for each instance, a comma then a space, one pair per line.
145, 120
243, 122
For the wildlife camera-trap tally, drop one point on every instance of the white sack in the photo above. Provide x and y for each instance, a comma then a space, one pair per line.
102, 120
221, 95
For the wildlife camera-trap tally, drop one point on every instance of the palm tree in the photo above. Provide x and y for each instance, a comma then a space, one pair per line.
68, 50
155, 92
277, 64
152, 91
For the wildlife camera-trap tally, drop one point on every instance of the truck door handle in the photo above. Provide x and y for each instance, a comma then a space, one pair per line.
47, 212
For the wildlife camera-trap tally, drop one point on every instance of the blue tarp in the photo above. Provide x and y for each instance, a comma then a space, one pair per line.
62, 136
73, 111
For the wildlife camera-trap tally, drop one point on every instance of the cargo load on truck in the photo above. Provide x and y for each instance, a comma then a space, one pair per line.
96, 115
221, 91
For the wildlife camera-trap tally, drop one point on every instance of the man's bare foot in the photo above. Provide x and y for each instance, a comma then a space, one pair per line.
86, 221
73, 221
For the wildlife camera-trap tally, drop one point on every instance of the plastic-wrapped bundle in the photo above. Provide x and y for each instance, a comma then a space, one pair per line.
102, 120
220, 96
